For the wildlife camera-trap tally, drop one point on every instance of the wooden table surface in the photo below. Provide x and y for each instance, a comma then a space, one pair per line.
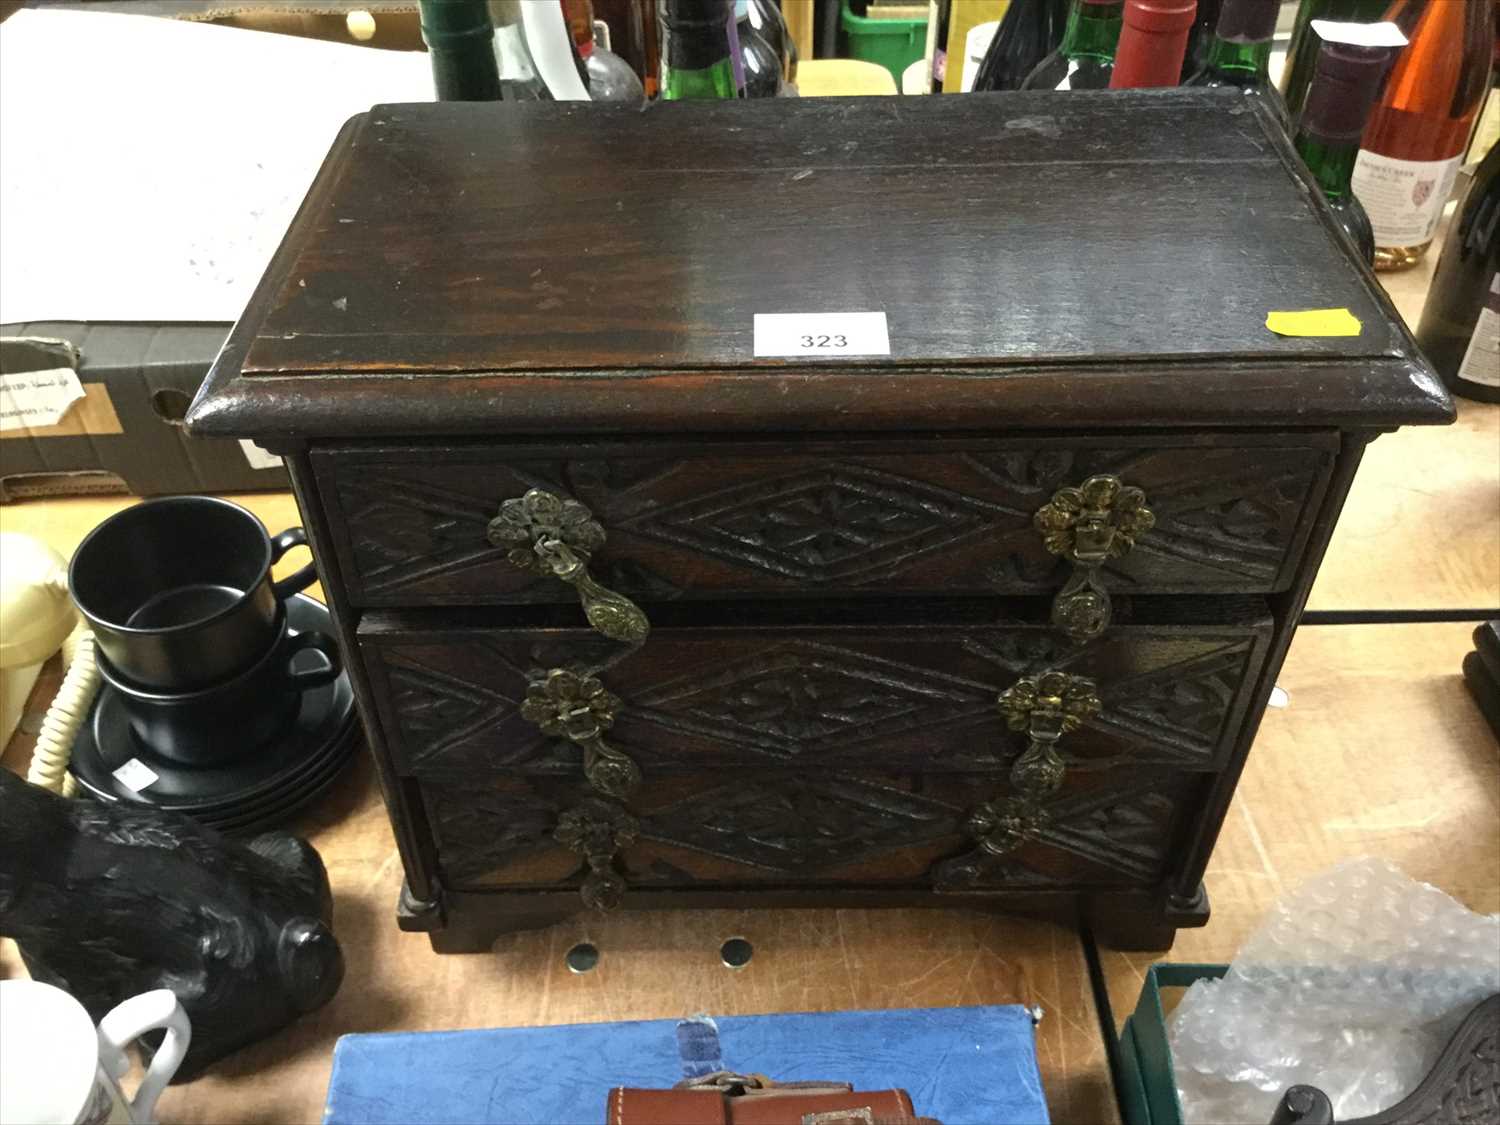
1379, 751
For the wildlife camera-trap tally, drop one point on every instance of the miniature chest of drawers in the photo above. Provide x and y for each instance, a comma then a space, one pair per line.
641, 612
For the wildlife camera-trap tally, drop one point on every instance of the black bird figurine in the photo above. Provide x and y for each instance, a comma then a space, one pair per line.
110, 900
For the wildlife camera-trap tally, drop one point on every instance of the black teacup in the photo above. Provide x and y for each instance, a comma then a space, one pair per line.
178, 591
219, 723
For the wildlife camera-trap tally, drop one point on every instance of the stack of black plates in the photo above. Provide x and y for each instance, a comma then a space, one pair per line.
253, 793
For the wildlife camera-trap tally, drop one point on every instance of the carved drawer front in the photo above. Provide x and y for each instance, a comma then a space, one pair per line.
1105, 828
419, 526
472, 701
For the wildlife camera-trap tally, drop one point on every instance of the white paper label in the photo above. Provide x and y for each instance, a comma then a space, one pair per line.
1482, 359
136, 776
258, 457
32, 399
820, 335
1404, 198
1360, 34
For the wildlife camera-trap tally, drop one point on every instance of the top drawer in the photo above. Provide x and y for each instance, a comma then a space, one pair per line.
712, 520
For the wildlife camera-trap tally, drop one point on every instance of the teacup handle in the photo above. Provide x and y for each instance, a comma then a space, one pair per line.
312, 677
293, 583
128, 1021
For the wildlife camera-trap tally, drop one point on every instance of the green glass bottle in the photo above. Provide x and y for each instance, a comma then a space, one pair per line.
1346, 80
1239, 54
1302, 51
698, 51
1085, 59
461, 47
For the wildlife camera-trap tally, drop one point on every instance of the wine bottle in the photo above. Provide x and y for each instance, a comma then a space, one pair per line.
1200, 37
758, 59
1153, 43
520, 79
1460, 326
460, 47
627, 35
939, 12
611, 78
1085, 58
1346, 79
697, 52
767, 22
580, 17
1239, 54
1416, 137
1029, 31
1302, 51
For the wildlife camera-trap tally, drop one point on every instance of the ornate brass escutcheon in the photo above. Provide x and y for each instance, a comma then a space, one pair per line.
596, 830
548, 535
1089, 525
578, 708
1046, 707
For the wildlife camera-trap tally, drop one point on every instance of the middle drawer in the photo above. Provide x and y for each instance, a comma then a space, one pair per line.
897, 696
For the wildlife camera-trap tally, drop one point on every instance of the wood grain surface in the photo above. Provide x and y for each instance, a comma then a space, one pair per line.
415, 295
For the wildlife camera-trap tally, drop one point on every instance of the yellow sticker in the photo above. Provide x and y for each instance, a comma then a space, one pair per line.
1313, 322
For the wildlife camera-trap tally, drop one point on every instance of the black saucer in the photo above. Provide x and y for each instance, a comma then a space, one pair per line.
259, 788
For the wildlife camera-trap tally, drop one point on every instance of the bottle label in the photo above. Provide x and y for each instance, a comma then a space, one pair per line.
1482, 360
1404, 198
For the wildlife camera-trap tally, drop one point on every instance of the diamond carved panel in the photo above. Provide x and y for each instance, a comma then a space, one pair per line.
801, 825
800, 697
835, 522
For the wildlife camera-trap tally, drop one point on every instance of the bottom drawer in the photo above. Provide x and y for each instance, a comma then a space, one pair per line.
1101, 828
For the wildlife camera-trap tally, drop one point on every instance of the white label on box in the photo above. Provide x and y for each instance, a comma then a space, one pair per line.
1404, 198
820, 335
136, 776
258, 457
33, 399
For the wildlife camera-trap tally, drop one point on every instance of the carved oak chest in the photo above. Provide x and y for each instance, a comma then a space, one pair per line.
649, 604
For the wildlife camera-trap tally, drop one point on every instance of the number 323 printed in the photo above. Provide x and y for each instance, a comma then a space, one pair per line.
824, 341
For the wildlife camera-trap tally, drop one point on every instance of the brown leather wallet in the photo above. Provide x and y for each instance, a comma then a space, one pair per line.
739, 1099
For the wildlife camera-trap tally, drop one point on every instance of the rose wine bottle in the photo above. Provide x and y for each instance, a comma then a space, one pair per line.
1414, 143
1345, 82
1028, 33
1085, 58
1153, 43
1460, 328
1239, 54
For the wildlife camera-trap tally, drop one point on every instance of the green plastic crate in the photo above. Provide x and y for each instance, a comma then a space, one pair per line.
894, 44
1148, 1083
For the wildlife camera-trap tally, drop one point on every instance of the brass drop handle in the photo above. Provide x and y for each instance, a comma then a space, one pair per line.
580, 709
596, 830
548, 535
1089, 525
1046, 707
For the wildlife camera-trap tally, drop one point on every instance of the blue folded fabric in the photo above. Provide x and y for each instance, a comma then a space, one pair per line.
964, 1066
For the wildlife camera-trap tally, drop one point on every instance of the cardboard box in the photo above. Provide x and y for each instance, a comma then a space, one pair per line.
124, 434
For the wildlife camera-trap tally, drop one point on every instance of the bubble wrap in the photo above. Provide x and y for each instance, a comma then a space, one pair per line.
1353, 983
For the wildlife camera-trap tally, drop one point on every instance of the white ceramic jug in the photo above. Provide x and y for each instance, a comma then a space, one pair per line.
57, 1069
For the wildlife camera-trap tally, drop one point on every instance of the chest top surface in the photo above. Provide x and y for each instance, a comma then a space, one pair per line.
1042, 261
